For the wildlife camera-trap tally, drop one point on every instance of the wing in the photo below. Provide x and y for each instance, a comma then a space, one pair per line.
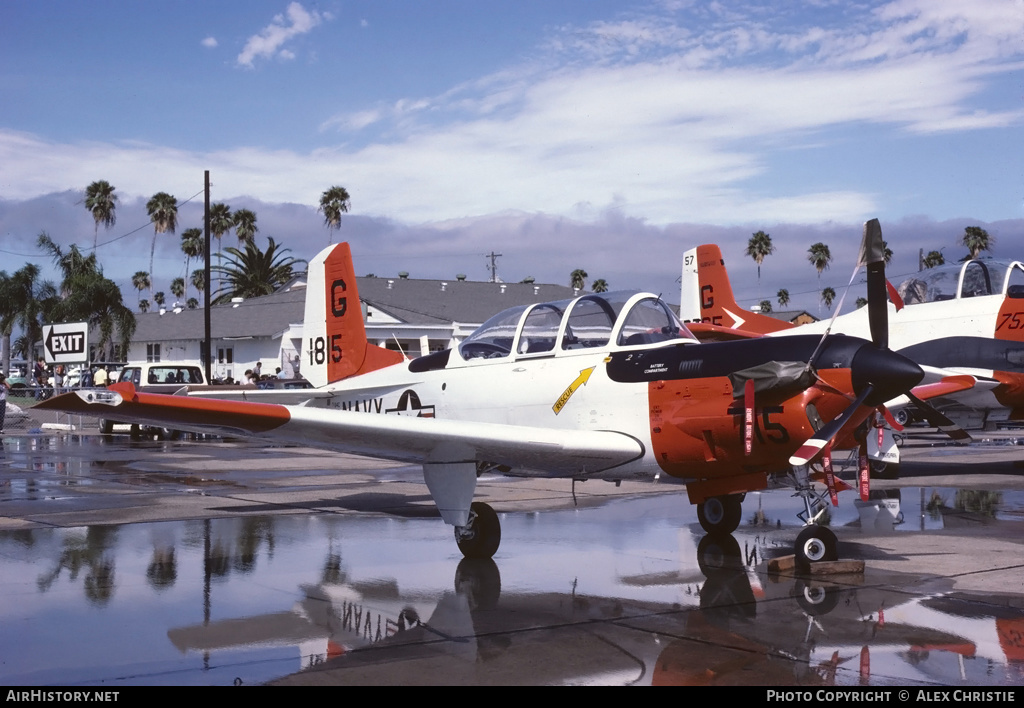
392, 437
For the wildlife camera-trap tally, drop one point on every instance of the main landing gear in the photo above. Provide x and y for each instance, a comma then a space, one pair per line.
721, 515
480, 537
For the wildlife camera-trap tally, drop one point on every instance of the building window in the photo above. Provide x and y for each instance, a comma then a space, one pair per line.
152, 352
226, 355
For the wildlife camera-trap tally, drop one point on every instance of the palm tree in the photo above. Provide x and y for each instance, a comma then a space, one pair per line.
192, 245
163, 212
783, 297
192, 303
861, 302
333, 203
141, 281
828, 295
221, 221
766, 306
577, 279
245, 225
24, 300
933, 260
143, 305
85, 294
178, 288
101, 202
159, 298
252, 272
758, 247
886, 252
820, 257
600, 286
977, 240
199, 279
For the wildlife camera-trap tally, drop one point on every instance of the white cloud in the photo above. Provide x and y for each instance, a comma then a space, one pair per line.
670, 124
270, 39
209, 42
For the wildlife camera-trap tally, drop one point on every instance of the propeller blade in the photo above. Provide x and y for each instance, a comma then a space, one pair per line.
811, 447
890, 419
940, 421
873, 255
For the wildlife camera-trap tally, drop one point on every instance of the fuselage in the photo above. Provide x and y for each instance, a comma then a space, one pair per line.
622, 362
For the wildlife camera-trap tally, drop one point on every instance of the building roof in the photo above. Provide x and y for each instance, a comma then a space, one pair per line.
267, 316
428, 302
415, 302
790, 315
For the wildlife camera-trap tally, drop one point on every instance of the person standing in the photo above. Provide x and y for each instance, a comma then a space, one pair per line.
4, 388
99, 379
58, 379
39, 374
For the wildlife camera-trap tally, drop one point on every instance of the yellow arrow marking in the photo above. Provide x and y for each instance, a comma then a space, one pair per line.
567, 394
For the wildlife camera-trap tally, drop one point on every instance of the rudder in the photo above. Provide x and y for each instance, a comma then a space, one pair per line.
335, 345
706, 295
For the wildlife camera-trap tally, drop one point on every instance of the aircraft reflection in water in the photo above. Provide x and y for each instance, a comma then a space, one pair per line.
732, 626
209, 602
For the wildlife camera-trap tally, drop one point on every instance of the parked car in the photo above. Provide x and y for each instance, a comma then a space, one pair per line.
157, 377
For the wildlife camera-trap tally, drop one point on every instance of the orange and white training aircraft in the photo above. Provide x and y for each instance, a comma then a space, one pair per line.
602, 386
961, 319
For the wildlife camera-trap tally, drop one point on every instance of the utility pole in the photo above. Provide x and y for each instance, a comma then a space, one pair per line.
205, 353
493, 267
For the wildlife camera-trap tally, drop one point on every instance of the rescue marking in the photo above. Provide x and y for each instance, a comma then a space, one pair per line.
581, 380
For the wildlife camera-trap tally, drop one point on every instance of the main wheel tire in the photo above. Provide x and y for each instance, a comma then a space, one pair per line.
815, 544
170, 434
481, 537
106, 427
720, 515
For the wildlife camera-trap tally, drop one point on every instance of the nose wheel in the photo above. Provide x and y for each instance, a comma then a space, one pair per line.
720, 515
813, 545
481, 536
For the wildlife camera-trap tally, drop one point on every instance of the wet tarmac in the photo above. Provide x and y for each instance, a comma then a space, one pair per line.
210, 562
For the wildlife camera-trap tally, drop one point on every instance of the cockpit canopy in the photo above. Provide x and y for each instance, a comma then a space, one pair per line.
975, 278
622, 319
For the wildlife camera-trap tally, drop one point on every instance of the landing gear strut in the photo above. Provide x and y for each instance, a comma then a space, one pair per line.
480, 537
720, 515
814, 543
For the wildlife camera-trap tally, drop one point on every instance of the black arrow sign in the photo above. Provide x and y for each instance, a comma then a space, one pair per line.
64, 344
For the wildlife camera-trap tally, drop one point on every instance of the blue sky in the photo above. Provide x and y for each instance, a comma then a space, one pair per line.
604, 135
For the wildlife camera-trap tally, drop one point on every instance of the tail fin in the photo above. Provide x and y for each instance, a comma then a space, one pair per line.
334, 337
707, 295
